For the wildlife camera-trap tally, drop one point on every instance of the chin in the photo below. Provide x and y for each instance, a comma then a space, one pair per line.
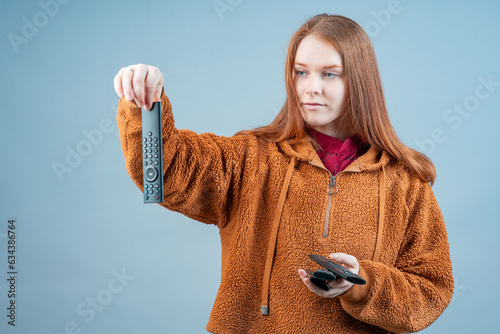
319, 123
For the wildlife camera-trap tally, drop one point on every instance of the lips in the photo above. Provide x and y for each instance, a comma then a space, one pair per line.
313, 106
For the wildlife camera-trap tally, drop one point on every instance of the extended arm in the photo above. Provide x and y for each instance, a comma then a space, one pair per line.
201, 172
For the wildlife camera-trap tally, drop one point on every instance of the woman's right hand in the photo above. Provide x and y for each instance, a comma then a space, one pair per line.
139, 83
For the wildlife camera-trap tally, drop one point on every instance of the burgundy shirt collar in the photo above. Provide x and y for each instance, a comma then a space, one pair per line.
336, 154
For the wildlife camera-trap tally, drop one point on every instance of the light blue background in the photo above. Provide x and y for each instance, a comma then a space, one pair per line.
223, 73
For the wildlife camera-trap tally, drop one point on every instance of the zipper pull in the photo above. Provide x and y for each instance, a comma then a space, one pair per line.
331, 185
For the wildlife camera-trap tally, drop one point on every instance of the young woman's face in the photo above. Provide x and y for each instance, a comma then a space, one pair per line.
318, 80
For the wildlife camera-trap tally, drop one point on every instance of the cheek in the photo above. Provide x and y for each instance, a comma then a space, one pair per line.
336, 92
299, 86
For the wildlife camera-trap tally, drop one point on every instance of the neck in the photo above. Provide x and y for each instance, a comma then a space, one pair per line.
332, 132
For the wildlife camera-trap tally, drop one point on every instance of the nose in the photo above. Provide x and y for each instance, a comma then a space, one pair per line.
314, 86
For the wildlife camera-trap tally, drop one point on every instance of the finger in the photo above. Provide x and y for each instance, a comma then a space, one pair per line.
117, 83
153, 87
158, 89
303, 273
150, 84
156, 97
141, 71
127, 82
346, 260
305, 278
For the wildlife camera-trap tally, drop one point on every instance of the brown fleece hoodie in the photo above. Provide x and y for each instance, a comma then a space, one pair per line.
275, 204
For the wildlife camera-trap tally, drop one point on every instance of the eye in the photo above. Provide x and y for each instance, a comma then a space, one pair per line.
333, 75
298, 73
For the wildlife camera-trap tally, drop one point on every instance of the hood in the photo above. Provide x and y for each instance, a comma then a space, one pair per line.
373, 159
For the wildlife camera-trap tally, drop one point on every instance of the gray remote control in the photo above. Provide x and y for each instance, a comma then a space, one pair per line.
152, 154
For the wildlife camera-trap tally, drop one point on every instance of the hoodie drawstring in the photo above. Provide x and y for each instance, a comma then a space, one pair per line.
264, 309
381, 213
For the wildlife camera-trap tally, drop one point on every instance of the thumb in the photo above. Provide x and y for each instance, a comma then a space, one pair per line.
158, 92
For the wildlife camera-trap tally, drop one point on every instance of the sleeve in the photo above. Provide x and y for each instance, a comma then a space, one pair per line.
411, 294
202, 173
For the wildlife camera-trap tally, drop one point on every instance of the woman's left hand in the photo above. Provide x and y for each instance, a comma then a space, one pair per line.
339, 286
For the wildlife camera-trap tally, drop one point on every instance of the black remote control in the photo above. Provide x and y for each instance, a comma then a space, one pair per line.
332, 272
152, 154
321, 277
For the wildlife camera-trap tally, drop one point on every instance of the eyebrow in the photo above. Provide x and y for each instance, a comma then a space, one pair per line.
329, 66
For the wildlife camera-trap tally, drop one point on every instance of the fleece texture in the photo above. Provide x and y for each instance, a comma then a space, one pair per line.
274, 204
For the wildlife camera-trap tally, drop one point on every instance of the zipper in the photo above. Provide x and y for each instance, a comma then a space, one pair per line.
332, 190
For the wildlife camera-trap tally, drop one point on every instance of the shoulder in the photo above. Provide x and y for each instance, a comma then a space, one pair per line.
406, 182
415, 197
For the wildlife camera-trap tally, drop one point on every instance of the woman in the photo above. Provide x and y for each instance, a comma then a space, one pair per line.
328, 176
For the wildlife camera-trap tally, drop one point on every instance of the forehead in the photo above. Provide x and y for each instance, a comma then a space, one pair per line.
313, 51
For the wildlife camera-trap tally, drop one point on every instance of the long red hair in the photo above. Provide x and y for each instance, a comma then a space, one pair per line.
365, 112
